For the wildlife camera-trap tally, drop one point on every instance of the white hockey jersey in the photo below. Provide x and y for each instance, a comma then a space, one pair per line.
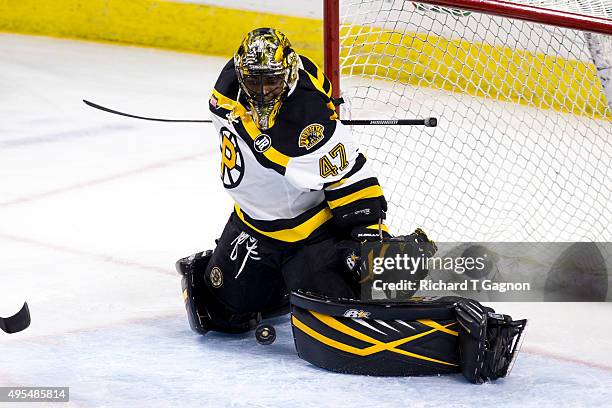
300, 178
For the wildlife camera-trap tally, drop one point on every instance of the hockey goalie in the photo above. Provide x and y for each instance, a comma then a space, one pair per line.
305, 199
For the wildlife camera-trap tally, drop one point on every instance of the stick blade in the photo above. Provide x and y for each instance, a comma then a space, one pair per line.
18, 322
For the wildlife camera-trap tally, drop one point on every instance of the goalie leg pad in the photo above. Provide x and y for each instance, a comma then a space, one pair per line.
489, 342
393, 339
423, 336
204, 312
231, 289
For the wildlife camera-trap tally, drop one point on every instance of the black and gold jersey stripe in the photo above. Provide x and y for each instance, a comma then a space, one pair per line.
320, 82
356, 201
248, 131
313, 69
291, 230
367, 188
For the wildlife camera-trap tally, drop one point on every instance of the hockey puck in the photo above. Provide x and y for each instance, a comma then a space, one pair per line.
265, 334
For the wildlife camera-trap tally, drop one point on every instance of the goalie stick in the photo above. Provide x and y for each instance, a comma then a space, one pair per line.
18, 322
428, 122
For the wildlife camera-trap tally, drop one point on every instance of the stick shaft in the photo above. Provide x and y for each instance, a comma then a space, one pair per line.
390, 122
105, 109
429, 122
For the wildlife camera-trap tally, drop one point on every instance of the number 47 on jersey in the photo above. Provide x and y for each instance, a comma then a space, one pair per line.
336, 155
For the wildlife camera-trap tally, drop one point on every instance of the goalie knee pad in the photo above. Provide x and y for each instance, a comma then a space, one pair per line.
322, 268
204, 312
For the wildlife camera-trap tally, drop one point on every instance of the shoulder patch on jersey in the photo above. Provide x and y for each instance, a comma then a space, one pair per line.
311, 135
262, 143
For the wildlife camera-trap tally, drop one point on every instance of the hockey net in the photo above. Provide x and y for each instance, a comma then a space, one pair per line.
523, 149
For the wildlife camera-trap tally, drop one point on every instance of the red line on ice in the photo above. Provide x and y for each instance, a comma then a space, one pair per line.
561, 357
91, 255
102, 180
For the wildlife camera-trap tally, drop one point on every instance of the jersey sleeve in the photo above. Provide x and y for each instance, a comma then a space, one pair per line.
351, 189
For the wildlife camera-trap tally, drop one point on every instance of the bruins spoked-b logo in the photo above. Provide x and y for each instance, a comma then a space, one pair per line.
311, 135
232, 164
216, 277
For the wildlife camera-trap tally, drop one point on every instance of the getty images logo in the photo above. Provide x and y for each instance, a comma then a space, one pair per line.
262, 143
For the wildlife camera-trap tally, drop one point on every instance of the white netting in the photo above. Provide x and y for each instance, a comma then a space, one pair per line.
597, 8
524, 144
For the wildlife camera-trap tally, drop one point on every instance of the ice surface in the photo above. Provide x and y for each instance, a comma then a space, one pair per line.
95, 209
160, 362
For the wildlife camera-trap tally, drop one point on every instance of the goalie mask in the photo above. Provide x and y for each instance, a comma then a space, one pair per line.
267, 70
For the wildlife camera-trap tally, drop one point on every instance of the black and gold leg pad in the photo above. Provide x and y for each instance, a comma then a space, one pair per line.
403, 339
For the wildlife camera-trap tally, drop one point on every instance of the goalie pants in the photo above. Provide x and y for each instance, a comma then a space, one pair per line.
251, 273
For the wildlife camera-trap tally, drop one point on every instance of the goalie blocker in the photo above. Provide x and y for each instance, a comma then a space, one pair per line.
426, 336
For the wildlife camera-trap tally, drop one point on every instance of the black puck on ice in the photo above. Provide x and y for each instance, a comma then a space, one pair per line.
265, 334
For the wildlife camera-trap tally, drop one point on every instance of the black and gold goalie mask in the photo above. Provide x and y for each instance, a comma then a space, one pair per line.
267, 70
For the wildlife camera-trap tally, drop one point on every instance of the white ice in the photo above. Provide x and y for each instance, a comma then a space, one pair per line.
95, 209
